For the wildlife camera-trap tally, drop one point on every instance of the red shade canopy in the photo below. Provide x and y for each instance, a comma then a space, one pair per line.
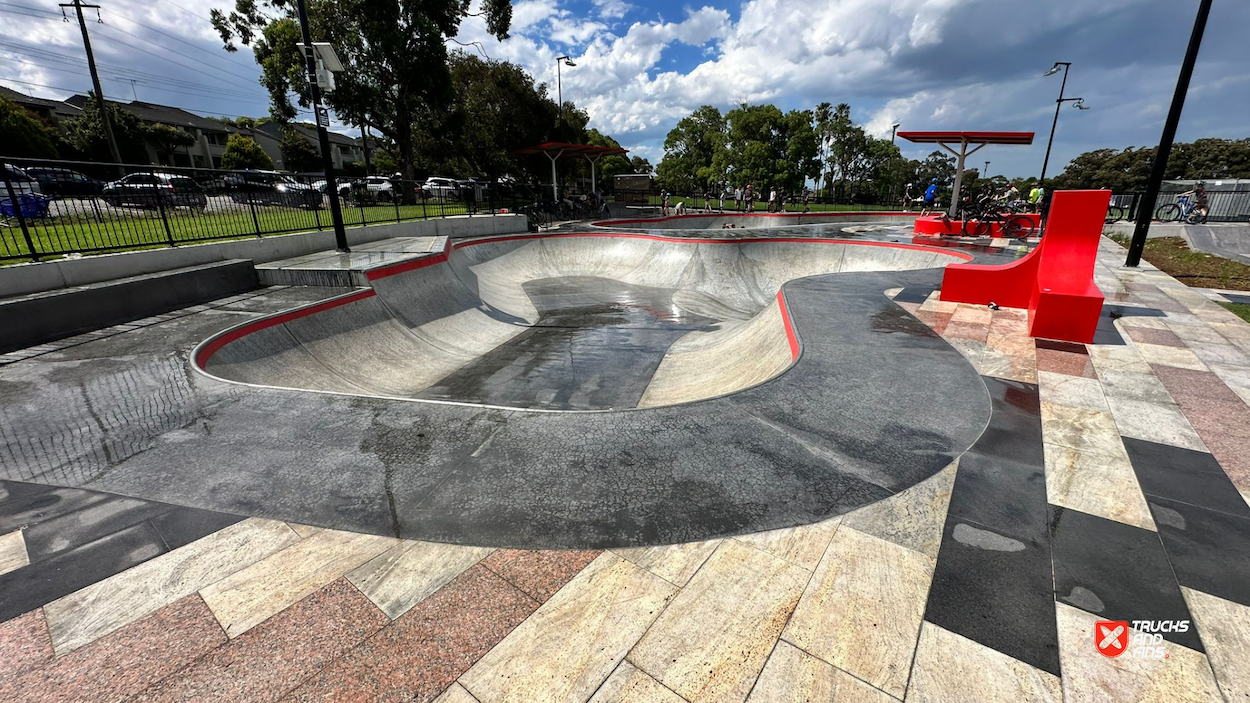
972, 137
560, 150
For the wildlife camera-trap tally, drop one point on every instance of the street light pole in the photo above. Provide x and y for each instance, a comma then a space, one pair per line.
563, 60
1058, 104
986, 172
323, 136
893, 132
1144, 209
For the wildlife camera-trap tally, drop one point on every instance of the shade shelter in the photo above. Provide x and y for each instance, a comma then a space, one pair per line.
559, 150
963, 140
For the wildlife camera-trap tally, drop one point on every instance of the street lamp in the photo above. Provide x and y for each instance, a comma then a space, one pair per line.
563, 60
893, 132
1078, 103
986, 172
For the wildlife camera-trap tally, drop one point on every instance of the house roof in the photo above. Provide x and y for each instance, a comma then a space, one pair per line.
310, 133
59, 107
163, 114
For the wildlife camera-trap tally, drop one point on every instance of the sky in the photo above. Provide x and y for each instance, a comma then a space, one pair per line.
644, 64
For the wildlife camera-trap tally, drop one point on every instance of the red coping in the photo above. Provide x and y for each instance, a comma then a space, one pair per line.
215, 344
618, 223
939, 225
785, 320
1055, 282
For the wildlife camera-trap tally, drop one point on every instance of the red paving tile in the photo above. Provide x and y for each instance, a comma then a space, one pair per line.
423, 652
24, 643
1054, 361
936, 320
121, 664
538, 573
1197, 385
967, 330
279, 654
1220, 417
1149, 335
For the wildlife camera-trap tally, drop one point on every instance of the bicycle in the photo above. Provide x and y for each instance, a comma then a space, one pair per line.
1183, 208
979, 221
1115, 213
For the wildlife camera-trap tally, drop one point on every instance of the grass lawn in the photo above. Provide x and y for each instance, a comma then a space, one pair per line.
1173, 256
1239, 309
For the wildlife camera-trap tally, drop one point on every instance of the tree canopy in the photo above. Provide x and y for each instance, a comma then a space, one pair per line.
24, 135
1128, 170
85, 133
244, 152
298, 153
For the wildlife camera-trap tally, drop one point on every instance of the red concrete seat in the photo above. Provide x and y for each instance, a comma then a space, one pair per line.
1055, 282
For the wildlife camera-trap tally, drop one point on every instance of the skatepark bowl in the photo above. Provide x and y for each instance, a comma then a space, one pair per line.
592, 390
755, 220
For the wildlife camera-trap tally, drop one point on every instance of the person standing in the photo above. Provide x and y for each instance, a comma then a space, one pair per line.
807, 200
930, 197
664, 204
748, 199
1035, 197
772, 199
737, 198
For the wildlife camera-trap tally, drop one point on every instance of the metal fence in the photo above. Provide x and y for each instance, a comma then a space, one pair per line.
724, 202
1223, 205
55, 208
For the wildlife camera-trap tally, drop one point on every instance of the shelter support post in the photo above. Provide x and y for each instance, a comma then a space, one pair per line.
961, 156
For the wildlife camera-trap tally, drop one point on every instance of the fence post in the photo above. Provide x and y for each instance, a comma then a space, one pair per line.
251, 204
396, 197
21, 218
160, 205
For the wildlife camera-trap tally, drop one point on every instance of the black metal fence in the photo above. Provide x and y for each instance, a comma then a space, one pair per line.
55, 208
726, 202
1223, 206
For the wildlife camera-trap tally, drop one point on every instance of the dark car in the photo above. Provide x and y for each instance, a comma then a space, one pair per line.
271, 188
61, 182
155, 190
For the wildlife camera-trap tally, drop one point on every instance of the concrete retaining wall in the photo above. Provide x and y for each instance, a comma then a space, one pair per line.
24, 279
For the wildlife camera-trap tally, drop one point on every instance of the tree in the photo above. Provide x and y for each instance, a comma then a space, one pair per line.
243, 152
395, 50
607, 167
298, 154
689, 151
824, 117
85, 133
168, 140
24, 135
638, 164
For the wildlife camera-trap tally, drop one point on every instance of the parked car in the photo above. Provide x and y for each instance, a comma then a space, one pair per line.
437, 187
21, 181
271, 188
60, 182
155, 190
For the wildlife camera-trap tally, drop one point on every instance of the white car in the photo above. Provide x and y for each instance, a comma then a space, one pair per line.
380, 186
437, 187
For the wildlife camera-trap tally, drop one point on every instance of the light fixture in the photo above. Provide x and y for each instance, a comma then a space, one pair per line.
1053, 70
1079, 104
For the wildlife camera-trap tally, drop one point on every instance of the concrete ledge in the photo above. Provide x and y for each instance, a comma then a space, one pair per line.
46, 317
24, 279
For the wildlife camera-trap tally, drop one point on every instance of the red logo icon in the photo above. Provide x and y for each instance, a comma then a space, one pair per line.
1111, 637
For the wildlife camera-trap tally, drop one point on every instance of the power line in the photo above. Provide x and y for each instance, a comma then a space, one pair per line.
214, 54
150, 82
120, 102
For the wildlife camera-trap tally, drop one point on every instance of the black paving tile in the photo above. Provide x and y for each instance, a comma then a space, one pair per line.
88, 524
1116, 571
42, 582
1234, 298
1007, 496
1209, 550
1115, 312
180, 526
1184, 475
15, 490
996, 590
1055, 345
914, 294
43, 506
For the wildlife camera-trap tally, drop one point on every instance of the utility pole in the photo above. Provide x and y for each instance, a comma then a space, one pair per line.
364, 141
1145, 210
323, 122
95, 77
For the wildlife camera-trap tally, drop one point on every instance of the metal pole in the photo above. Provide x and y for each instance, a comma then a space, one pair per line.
560, 88
17, 211
1058, 104
95, 80
1145, 210
364, 141
323, 121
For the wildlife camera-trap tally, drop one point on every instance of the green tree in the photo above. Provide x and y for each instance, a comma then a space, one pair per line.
690, 149
168, 140
24, 135
243, 152
298, 153
395, 50
607, 167
638, 164
85, 133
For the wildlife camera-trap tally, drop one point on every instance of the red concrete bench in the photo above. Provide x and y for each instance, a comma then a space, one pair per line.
1055, 282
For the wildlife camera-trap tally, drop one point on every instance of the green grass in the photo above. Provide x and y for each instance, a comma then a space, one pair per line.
694, 205
1173, 256
1241, 310
137, 229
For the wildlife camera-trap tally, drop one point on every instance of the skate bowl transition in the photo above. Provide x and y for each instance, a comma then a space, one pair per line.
598, 389
756, 220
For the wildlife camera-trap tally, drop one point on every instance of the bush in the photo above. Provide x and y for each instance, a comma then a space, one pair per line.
24, 135
243, 152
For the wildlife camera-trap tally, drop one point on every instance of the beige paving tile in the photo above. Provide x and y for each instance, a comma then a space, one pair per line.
570, 645
1225, 629
802, 546
1131, 385
935, 304
455, 694
1099, 484
629, 685
972, 314
914, 518
950, 667
13, 552
1184, 677
250, 596
410, 571
713, 639
862, 610
1236, 378
1072, 391
1155, 422
1077, 428
791, 676
1170, 356
83, 616
1117, 357
304, 531
674, 563
1219, 354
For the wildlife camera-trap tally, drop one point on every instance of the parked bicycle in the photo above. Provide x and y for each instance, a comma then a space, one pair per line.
1182, 209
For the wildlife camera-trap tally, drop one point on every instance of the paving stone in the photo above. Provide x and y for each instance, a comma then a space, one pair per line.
24, 644
953, 668
793, 675
674, 563
409, 572
912, 518
1099, 484
13, 553
802, 546
1225, 629
538, 573
629, 685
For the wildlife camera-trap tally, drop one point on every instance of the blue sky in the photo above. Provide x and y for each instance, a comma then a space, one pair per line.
643, 64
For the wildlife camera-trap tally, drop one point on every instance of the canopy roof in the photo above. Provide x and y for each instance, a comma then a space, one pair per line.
560, 150
972, 137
